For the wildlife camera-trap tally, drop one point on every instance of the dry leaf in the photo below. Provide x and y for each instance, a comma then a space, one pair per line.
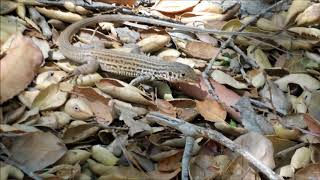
173, 6
259, 146
18, 67
297, 7
310, 16
37, 150
122, 2
267, 25
224, 78
79, 133
123, 91
310, 33
207, 6
9, 26
311, 171
301, 158
153, 43
103, 155
304, 80
48, 78
50, 98
60, 15
7, 7
259, 56
200, 50
211, 110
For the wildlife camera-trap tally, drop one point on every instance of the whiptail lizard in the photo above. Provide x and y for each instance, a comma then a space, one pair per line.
126, 64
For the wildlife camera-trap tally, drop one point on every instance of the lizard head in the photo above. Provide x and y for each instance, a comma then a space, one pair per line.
182, 73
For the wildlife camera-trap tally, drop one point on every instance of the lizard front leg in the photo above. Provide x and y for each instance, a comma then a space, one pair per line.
91, 66
141, 79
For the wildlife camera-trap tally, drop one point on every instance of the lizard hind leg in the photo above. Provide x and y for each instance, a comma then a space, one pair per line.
141, 79
91, 66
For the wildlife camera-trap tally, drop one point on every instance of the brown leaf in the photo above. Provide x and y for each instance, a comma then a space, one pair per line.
122, 2
259, 146
18, 67
297, 7
173, 6
211, 110
171, 163
310, 16
123, 91
79, 133
37, 150
312, 171
200, 50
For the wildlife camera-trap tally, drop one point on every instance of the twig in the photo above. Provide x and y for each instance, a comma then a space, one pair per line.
187, 153
246, 58
41, 21
286, 151
189, 129
205, 73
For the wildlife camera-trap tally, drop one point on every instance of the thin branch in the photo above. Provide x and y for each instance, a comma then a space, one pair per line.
187, 153
189, 129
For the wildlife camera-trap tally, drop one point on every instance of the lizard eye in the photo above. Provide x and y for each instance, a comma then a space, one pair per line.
183, 74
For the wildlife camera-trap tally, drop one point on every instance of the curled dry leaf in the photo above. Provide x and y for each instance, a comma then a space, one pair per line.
167, 53
169, 6
9, 26
123, 91
311, 171
48, 78
78, 108
74, 156
304, 80
310, 33
10, 171
153, 43
27, 97
79, 133
54, 120
272, 94
284, 133
297, 7
60, 15
37, 150
18, 67
301, 158
211, 110
259, 146
259, 56
310, 16
7, 7
224, 78
192, 17
286, 171
267, 25
103, 155
88, 80
50, 98
314, 104
207, 6
200, 50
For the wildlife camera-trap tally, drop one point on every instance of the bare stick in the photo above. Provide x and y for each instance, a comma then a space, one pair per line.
187, 153
189, 129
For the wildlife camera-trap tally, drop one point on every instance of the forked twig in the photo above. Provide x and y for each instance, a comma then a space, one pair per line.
189, 129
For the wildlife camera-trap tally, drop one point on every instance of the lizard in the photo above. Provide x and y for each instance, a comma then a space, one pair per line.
139, 67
